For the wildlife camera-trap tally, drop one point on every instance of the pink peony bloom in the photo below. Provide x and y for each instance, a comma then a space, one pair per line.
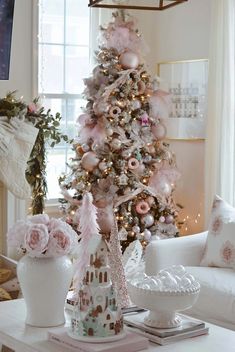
59, 242
40, 236
16, 234
36, 239
39, 219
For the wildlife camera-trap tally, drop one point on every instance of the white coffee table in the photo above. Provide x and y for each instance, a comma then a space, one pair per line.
22, 338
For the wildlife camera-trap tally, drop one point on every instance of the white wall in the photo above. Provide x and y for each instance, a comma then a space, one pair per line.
21, 80
183, 33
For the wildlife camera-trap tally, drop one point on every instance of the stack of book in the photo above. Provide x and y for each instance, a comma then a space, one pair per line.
190, 327
130, 343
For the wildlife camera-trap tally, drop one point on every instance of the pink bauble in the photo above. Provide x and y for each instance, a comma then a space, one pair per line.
162, 219
89, 161
169, 219
141, 87
159, 131
129, 59
150, 200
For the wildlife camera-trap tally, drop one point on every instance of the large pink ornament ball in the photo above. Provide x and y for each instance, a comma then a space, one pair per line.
159, 131
89, 161
129, 59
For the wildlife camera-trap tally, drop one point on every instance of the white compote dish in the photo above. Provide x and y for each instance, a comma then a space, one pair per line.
170, 291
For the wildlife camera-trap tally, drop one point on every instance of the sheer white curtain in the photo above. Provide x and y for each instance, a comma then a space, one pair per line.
220, 143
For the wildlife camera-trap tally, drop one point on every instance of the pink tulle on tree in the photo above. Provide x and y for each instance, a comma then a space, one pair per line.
160, 103
90, 237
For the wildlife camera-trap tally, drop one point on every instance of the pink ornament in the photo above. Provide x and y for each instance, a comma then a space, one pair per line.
151, 149
89, 161
129, 59
159, 131
169, 219
141, 87
162, 219
133, 164
150, 200
142, 207
144, 119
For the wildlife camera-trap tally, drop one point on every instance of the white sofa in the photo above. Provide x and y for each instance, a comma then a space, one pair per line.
216, 302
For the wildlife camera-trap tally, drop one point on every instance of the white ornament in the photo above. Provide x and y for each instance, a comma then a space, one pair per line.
102, 166
135, 104
147, 235
109, 131
148, 220
116, 144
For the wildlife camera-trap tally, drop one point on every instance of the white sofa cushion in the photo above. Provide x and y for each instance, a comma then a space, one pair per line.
220, 245
216, 300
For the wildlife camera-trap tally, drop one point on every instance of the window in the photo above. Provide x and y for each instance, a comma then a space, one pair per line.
63, 62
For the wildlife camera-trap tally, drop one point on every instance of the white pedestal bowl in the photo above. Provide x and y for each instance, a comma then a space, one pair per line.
163, 302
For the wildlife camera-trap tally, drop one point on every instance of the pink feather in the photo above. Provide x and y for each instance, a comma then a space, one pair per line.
90, 236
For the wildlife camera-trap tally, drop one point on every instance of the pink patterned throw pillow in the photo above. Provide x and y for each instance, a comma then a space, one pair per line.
220, 245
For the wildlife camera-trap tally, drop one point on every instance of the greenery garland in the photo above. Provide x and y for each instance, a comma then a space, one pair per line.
49, 132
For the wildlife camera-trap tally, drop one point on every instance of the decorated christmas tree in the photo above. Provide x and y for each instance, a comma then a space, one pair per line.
120, 153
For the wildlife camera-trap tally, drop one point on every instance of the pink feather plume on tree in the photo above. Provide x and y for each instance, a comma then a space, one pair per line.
90, 236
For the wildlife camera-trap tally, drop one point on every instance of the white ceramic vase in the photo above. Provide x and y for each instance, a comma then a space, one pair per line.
44, 283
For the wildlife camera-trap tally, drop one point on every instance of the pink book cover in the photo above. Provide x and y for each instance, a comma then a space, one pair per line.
131, 343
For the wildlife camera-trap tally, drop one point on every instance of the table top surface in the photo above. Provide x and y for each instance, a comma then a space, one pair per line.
23, 338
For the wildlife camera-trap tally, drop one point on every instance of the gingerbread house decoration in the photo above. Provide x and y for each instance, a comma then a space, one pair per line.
97, 313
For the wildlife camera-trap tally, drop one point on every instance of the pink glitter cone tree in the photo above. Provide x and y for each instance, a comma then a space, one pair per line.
120, 153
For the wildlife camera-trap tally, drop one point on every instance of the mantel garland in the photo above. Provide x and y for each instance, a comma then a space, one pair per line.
49, 132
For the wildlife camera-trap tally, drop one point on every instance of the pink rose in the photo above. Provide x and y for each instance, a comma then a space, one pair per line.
54, 223
36, 239
59, 242
39, 219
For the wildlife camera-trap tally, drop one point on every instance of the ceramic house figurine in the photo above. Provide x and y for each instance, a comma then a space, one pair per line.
97, 314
